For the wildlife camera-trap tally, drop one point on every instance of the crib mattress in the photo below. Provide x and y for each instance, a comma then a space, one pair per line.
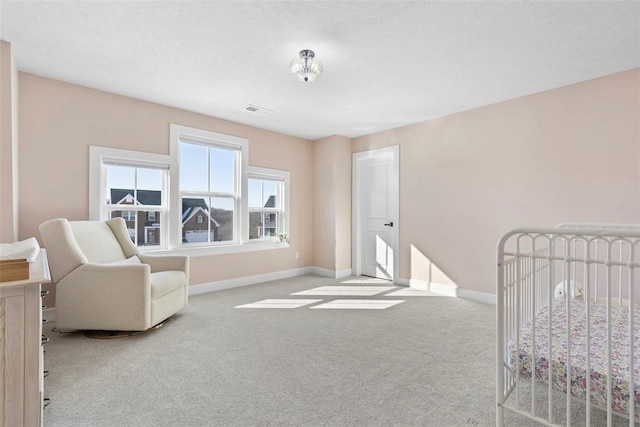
598, 358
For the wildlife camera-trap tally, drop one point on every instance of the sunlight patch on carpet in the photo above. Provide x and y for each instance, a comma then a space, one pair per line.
280, 303
358, 304
346, 290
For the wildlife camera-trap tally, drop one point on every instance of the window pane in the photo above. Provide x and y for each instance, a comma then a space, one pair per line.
195, 225
222, 213
263, 193
255, 193
134, 185
142, 230
263, 225
222, 164
149, 187
194, 168
129, 215
270, 190
130, 219
149, 179
150, 231
120, 184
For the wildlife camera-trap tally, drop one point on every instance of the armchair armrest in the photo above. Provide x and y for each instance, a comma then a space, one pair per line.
104, 296
166, 262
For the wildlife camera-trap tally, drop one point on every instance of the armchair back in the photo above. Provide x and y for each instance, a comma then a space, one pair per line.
72, 244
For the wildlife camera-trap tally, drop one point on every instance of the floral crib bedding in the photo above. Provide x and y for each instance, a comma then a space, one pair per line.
598, 362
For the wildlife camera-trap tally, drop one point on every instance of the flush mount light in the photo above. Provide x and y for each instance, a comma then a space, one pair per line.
306, 68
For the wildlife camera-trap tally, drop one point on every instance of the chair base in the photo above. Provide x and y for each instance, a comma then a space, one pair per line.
104, 335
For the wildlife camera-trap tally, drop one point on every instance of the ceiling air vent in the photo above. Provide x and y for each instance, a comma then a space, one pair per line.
258, 110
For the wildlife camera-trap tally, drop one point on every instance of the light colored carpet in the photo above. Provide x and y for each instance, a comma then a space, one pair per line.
428, 361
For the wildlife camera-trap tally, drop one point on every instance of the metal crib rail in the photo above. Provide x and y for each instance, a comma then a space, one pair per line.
531, 263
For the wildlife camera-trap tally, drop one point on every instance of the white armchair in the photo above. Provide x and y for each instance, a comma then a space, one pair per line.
105, 283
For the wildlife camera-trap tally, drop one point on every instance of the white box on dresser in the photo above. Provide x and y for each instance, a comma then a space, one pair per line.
21, 358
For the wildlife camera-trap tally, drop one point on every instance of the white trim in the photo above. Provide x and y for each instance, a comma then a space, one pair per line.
324, 272
280, 175
193, 250
247, 280
483, 297
97, 157
334, 274
438, 288
171, 236
356, 211
444, 290
401, 281
341, 274
178, 133
452, 291
100, 158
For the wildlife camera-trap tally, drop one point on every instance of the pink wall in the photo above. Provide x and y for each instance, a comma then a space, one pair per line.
569, 154
59, 121
332, 203
8, 145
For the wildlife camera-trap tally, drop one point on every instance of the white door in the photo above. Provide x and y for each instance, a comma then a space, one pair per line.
376, 213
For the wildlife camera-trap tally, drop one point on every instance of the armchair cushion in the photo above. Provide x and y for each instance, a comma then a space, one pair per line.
132, 260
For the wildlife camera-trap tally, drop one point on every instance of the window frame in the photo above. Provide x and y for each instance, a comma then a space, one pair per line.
171, 223
282, 196
178, 134
102, 157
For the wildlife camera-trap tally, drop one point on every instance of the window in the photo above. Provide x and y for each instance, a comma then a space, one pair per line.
266, 195
265, 207
201, 199
209, 186
132, 189
138, 188
127, 215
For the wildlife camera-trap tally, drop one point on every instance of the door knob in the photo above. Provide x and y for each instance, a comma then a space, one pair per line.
389, 224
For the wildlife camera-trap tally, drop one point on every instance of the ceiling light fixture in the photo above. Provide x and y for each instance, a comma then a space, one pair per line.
306, 68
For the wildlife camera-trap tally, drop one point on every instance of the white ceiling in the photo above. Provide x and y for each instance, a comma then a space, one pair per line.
387, 63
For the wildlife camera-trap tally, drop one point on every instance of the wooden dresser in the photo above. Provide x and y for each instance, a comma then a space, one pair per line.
21, 353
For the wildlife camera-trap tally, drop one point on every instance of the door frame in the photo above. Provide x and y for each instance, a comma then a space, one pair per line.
356, 207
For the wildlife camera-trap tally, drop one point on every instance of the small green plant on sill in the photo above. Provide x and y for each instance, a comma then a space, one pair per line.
283, 237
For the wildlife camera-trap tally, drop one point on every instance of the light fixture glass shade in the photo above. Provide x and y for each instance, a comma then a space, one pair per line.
306, 68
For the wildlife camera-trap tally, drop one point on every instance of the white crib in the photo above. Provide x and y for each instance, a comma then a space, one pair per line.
570, 290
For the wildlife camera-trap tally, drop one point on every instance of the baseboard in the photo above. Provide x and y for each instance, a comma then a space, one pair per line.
402, 281
478, 296
438, 288
451, 291
203, 288
334, 274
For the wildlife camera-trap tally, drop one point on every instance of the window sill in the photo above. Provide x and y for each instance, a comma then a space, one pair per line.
200, 251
